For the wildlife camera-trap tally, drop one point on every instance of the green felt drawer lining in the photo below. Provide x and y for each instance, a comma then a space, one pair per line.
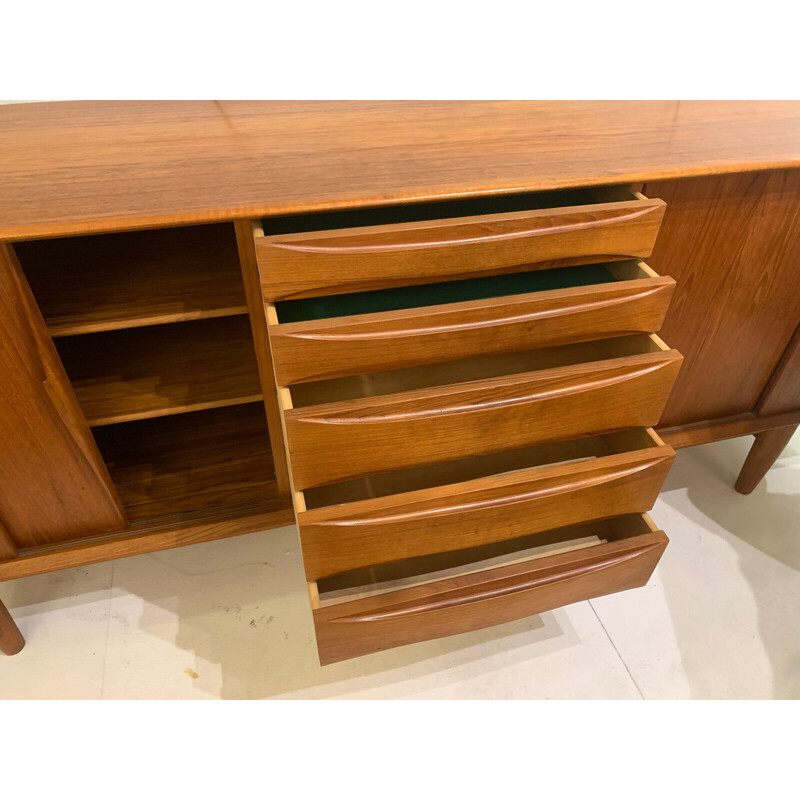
418, 212
432, 294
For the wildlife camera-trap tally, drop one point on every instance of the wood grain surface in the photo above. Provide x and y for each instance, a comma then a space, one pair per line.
165, 369
328, 348
339, 440
725, 428
8, 547
266, 371
356, 259
732, 244
178, 467
11, 641
119, 164
763, 454
783, 391
53, 483
480, 599
378, 530
138, 540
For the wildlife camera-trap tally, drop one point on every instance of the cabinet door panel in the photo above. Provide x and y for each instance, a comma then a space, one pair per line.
783, 393
732, 243
8, 547
53, 483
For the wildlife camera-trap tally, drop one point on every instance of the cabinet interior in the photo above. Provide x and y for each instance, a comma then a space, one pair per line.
153, 331
86, 284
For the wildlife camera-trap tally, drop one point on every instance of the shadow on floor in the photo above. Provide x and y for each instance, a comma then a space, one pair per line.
264, 639
767, 521
241, 604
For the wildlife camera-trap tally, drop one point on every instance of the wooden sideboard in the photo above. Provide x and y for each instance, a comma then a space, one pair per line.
437, 335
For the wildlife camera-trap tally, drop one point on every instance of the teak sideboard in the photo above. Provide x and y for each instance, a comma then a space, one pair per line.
455, 342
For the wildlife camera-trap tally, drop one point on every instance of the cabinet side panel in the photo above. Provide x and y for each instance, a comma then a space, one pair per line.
732, 243
258, 324
54, 485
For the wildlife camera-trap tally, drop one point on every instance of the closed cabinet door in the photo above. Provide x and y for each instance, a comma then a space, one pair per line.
732, 244
54, 485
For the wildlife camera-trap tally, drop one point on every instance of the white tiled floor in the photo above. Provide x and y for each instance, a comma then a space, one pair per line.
719, 619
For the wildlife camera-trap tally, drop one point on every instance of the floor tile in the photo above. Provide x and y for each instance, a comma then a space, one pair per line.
236, 615
64, 619
543, 657
719, 618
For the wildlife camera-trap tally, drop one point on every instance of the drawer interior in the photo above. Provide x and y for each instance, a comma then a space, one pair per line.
384, 578
432, 294
448, 472
453, 372
444, 209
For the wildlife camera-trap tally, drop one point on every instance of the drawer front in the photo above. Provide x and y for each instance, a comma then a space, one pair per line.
350, 536
355, 259
484, 598
335, 441
328, 348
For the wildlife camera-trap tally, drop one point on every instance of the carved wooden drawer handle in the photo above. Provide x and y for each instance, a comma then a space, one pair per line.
475, 397
454, 233
446, 320
491, 589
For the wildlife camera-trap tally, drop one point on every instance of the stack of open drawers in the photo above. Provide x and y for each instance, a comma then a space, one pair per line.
467, 389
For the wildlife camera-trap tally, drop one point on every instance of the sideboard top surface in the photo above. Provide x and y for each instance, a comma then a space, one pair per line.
80, 167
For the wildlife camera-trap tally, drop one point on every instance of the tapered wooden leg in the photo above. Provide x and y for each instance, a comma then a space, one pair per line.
766, 448
11, 641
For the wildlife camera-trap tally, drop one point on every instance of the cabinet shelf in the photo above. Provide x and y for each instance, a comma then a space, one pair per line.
88, 284
194, 465
152, 372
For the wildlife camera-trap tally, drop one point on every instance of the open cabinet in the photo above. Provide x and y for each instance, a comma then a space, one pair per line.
138, 411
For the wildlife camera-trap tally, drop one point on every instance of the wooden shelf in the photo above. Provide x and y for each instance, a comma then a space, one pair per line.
152, 372
88, 284
194, 465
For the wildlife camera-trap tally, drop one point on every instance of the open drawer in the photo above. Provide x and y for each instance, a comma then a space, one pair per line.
478, 501
347, 334
427, 598
321, 254
363, 425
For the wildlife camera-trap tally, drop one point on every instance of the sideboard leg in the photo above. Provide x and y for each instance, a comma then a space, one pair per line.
11, 641
766, 448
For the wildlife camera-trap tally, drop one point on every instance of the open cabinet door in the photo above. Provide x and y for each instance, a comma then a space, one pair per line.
54, 485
